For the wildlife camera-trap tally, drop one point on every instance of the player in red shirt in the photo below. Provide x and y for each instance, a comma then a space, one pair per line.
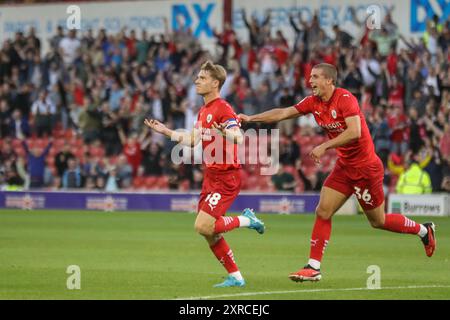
358, 169
217, 125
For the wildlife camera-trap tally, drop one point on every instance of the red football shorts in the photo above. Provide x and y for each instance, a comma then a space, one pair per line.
219, 190
365, 182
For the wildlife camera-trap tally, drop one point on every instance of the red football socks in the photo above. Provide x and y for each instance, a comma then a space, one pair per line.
399, 223
225, 224
224, 254
319, 238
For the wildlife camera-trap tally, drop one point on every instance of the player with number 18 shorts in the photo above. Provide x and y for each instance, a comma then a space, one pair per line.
219, 131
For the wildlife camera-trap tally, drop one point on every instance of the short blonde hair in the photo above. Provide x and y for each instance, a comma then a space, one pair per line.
216, 71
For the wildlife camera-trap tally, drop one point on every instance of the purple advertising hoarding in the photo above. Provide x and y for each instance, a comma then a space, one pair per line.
187, 202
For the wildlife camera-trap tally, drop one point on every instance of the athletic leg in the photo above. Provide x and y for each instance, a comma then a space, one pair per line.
370, 194
204, 225
330, 202
398, 223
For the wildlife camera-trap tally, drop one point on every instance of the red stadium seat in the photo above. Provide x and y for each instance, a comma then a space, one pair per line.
138, 182
184, 185
163, 182
150, 182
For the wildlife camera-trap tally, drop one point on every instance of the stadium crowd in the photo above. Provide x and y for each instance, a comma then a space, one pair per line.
72, 117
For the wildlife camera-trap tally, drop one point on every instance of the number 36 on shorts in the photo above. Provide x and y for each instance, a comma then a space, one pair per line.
213, 199
365, 196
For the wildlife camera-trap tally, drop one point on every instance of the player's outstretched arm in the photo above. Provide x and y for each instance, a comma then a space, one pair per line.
187, 138
270, 116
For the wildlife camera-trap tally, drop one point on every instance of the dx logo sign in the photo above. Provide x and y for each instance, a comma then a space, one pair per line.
182, 17
422, 10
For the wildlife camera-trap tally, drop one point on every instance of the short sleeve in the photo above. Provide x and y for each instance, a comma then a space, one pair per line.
197, 123
348, 105
305, 106
229, 116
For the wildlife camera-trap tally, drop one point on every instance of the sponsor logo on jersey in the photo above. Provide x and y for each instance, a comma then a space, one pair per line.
331, 126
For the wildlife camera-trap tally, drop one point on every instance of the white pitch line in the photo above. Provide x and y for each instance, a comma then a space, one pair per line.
244, 294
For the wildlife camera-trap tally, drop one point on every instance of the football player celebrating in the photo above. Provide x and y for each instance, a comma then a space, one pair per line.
358, 169
217, 122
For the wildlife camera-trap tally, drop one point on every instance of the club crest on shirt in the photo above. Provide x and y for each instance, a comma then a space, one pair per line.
333, 114
209, 118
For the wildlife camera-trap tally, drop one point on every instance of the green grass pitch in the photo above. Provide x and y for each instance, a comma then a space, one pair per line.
147, 255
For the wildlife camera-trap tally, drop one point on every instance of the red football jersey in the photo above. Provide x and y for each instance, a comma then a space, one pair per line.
331, 116
218, 111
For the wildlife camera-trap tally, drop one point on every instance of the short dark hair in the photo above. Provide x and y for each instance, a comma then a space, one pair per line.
329, 71
216, 71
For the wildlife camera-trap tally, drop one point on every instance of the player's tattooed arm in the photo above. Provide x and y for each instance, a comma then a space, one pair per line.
270, 116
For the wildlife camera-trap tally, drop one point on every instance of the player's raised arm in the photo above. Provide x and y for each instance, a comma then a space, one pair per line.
273, 115
187, 138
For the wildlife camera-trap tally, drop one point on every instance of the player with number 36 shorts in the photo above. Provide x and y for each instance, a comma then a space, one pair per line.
358, 169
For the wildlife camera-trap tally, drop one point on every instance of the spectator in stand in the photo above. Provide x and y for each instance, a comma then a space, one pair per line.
444, 143
289, 151
414, 180
132, 148
113, 182
62, 159
384, 40
380, 132
89, 121
124, 171
7, 152
283, 181
341, 37
5, 118
258, 32
286, 99
314, 180
43, 111
110, 130
71, 177
352, 80
174, 107
36, 163
397, 122
152, 160
19, 127
69, 47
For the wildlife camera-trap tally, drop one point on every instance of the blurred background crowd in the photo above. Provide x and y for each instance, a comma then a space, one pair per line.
72, 117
